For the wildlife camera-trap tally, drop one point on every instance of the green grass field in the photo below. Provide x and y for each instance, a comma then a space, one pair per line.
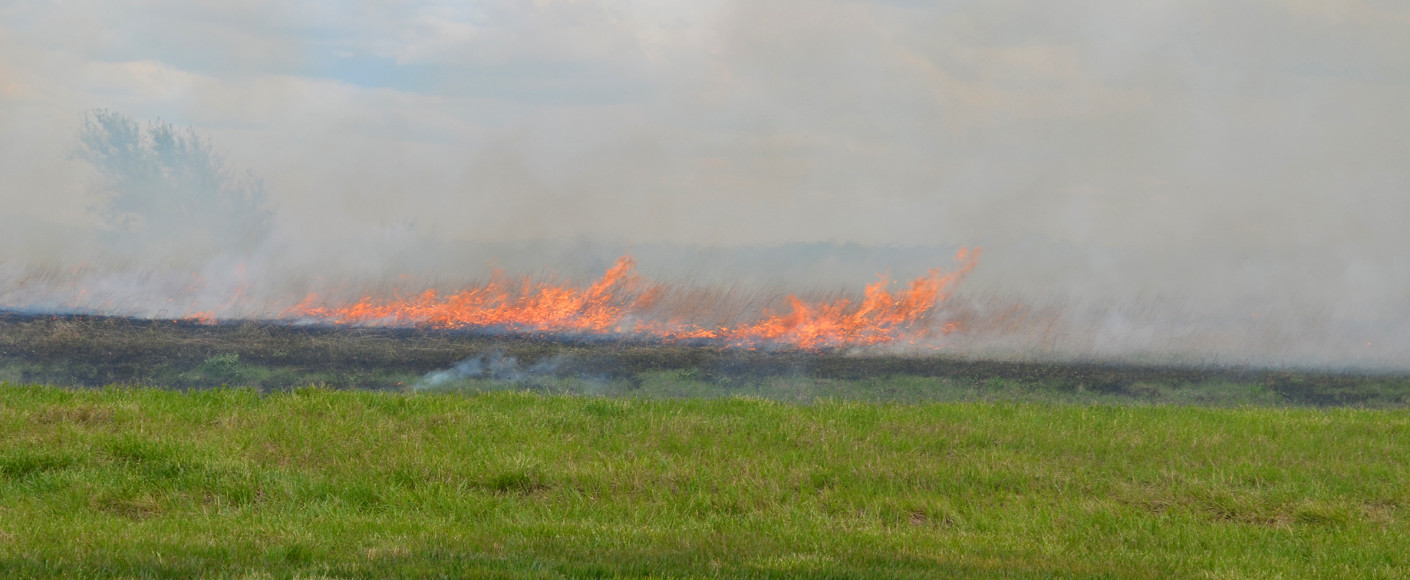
322, 483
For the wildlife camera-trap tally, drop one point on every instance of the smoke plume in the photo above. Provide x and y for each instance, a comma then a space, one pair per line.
1167, 181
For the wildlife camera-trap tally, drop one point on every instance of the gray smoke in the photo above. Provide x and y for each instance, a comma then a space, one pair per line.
166, 195
496, 366
1171, 180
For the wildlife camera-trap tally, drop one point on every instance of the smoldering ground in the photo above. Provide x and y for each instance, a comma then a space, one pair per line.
93, 351
498, 367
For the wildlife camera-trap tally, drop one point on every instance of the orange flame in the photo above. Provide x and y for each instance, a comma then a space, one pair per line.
529, 305
206, 317
618, 301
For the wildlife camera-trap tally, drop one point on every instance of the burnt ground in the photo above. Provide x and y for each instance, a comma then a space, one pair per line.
93, 351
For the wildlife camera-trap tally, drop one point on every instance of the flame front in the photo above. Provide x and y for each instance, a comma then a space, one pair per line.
619, 303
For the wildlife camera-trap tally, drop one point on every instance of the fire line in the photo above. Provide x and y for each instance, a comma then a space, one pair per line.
620, 301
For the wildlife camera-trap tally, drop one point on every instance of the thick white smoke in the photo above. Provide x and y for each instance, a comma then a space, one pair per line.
1172, 180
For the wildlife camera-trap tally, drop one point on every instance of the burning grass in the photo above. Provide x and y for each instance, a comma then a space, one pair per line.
620, 304
151, 483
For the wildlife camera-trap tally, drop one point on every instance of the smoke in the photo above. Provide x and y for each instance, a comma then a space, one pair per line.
495, 366
1171, 180
165, 191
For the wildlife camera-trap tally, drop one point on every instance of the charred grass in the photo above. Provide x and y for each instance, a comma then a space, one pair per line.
126, 482
95, 351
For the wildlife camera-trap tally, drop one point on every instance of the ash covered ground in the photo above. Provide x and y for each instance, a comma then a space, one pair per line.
99, 351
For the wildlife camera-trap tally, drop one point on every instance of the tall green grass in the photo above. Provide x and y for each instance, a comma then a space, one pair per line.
153, 483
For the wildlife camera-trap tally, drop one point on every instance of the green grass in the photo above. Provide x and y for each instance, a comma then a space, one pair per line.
153, 483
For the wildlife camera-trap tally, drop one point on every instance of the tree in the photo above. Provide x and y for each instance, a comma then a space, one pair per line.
165, 191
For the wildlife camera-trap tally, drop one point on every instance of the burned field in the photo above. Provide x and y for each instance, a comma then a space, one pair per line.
96, 351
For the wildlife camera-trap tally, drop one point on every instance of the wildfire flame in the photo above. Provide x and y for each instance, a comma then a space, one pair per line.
619, 301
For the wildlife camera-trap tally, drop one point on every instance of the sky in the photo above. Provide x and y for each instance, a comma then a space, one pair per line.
1245, 158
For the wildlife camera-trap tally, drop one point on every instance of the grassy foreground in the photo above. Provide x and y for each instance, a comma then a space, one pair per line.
145, 482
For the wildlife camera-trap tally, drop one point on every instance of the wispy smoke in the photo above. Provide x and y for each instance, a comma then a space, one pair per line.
167, 191
496, 366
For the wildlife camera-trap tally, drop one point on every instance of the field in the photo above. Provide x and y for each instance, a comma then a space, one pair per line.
315, 482
172, 449
90, 351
